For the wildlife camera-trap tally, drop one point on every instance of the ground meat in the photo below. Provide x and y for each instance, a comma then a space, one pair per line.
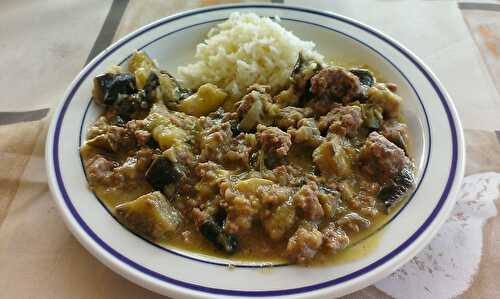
381, 159
306, 199
241, 209
216, 142
116, 138
396, 132
336, 84
273, 141
99, 170
286, 175
211, 175
278, 221
307, 133
289, 116
255, 108
241, 149
304, 243
344, 121
137, 128
353, 222
334, 238
135, 167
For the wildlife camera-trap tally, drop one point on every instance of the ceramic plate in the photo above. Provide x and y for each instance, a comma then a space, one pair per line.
438, 151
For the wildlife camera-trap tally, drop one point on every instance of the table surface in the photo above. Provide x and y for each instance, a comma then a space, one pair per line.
39, 256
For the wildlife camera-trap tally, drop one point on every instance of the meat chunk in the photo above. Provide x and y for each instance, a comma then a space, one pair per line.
241, 209
142, 136
275, 144
150, 215
396, 132
255, 108
279, 220
344, 121
306, 199
307, 133
289, 116
115, 138
381, 159
305, 243
99, 170
241, 149
215, 142
334, 238
353, 222
336, 84
273, 140
134, 167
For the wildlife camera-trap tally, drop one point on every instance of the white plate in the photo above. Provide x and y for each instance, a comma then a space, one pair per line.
434, 128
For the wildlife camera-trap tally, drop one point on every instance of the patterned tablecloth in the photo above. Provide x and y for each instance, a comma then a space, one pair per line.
45, 44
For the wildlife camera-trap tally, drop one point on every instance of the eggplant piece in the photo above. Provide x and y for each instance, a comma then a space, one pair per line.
392, 193
180, 92
150, 87
108, 87
365, 76
235, 128
128, 106
163, 172
372, 116
220, 239
150, 215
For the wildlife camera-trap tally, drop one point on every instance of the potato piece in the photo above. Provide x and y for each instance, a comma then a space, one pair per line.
332, 157
141, 76
380, 95
140, 60
150, 215
251, 185
207, 99
168, 135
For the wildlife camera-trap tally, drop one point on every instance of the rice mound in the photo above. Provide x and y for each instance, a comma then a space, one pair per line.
243, 50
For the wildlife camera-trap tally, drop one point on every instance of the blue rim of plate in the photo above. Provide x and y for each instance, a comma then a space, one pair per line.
305, 289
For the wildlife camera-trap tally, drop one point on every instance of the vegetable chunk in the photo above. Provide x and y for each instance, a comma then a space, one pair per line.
150, 215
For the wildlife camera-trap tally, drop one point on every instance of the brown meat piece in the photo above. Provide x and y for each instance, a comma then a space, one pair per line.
396, 132
344, 121
135, 167
241, 209
304, 244
336, 84
289, 116
274, 141
381, 159
137, 128
215, 142
334, 238
256, 107
307, 133
306, 199
353, 222
99, 170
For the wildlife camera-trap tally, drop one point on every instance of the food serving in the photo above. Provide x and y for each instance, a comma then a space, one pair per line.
259, 150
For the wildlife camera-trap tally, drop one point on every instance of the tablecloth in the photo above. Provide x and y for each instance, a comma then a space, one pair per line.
45, 44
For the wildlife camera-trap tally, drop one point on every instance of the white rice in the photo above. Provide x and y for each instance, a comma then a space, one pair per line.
244, 50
